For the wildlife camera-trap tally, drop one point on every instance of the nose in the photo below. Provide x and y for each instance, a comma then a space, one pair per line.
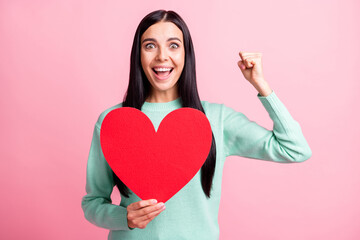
162, 54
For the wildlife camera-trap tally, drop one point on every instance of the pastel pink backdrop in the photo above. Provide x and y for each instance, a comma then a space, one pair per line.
64, 62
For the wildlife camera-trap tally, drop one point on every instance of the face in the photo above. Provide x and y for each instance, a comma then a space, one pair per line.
163, 57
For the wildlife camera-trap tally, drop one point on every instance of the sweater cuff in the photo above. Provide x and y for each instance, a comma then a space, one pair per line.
275, 107
261, 97
269, 102
122, 218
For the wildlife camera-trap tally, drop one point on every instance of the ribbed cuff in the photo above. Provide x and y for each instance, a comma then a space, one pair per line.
122, 214
278, 113
274, 106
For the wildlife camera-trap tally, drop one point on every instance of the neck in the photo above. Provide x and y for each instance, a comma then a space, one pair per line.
161, 97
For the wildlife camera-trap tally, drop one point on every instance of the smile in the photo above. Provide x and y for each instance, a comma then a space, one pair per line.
162, 73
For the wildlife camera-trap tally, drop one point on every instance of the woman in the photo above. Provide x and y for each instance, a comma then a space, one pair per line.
162, 79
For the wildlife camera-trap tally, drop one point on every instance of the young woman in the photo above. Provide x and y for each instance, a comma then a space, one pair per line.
162, 79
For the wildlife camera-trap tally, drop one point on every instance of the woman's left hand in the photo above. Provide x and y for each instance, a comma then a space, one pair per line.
251, 67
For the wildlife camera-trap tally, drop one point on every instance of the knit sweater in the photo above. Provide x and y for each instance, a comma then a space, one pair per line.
189, 214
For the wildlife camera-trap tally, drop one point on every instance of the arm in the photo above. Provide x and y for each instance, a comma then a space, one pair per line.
96, 204
285, 143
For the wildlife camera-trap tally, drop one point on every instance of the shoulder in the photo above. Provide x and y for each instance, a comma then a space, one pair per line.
105, 112
218, 108
211, 106
220, 111
214, 111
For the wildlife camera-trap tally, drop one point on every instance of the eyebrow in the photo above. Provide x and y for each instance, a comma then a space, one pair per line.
154, 40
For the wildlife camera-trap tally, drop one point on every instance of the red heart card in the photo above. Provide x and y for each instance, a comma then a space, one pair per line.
155, 164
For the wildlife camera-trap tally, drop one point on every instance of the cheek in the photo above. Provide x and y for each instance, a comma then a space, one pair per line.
180, 59
144, 59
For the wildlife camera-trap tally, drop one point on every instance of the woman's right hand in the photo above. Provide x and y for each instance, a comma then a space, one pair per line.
140, 213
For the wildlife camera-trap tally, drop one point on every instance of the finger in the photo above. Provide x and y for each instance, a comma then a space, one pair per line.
241, 54
248, 62
252, 56
256, 57
149, 209
141, 204
244, 55
241, 65
141, 222
150, 216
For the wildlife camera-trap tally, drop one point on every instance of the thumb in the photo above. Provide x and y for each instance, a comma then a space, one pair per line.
246, 72
241, 65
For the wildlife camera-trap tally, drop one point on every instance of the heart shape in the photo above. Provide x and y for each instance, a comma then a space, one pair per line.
155, 164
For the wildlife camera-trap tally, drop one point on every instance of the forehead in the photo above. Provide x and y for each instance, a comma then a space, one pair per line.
162, 31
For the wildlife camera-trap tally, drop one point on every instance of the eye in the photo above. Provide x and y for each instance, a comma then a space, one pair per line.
174, 44
149, 44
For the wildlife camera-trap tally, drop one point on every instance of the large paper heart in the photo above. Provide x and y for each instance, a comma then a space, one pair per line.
155, 164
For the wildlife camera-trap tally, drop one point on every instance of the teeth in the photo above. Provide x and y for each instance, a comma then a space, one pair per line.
162, 69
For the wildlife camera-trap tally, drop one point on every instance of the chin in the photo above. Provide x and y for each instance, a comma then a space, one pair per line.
163, 88
163, 85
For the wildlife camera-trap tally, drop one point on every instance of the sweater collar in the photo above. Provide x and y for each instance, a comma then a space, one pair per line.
164, 106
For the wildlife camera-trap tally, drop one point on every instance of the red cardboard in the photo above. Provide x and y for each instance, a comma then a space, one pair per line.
155, 164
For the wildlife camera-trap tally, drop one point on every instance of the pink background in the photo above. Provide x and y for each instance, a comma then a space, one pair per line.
64, 62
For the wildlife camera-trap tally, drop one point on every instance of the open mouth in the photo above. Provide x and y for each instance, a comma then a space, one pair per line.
162, 74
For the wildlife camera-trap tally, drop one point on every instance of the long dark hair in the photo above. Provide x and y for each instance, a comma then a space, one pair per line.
139, 87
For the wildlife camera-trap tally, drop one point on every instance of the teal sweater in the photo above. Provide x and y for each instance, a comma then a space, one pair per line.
189, 214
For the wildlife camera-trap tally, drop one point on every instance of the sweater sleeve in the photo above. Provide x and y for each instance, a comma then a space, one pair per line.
97, 204
285, 143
